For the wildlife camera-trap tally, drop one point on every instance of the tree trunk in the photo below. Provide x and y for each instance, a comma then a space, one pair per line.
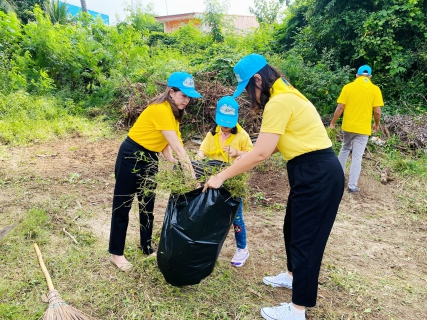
84, 5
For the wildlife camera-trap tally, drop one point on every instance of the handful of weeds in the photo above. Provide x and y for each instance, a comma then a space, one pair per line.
175, 180
172, 178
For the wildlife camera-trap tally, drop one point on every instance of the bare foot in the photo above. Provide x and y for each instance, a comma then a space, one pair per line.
121, 262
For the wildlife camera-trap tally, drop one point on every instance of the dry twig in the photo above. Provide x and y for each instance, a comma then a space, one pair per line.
69, 234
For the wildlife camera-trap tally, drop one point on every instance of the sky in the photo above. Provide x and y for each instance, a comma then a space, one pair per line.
160, 7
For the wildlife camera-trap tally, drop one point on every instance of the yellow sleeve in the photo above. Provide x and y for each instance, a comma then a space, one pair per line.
378, 101
162, 119
343, 96
275, 117
246, 143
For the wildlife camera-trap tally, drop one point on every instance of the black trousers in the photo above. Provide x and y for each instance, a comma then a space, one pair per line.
317, 183
134, 167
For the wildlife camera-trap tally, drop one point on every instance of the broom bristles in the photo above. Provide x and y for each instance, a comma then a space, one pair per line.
60, 310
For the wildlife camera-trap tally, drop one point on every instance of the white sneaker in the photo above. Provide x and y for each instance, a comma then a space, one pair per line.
240, 257
281, 280
282, 312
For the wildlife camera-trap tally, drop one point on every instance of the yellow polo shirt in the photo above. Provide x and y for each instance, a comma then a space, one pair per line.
291, 115
212, 145
147, 130
359, 98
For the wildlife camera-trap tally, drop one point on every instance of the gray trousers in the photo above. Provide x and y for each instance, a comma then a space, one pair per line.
356, 143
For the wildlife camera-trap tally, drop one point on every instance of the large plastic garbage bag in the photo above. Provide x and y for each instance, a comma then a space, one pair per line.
205, 168
194, 229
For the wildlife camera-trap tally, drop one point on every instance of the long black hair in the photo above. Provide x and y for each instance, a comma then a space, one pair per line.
165, 96
213, 130
269, 75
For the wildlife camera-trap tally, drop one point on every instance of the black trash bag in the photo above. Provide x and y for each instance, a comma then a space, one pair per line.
205, 168
194, 229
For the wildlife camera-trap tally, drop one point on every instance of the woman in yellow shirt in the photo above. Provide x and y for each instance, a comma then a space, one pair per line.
292, 126
225, 142
156, 130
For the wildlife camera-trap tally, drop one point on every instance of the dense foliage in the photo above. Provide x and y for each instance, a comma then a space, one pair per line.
23, 8
390, 35
85, 65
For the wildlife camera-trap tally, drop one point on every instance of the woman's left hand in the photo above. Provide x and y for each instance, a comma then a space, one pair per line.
214, 182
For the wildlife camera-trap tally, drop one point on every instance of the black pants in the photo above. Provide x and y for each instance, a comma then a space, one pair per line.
317, 183
134, 166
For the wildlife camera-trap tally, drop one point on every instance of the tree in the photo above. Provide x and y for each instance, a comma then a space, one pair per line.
84, 5
389, 35
142, 18
266, 10
285, 32
56, 11
7, 5
214, 18
22, 8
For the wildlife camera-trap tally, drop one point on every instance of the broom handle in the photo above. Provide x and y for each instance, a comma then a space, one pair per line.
45, 272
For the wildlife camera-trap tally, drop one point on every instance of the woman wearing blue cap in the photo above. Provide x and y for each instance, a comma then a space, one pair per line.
292, 126
225, 142
156, 130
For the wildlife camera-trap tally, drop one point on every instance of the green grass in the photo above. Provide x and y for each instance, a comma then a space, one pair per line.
407, 166
275, 163
26, 119
84, 278
411, 173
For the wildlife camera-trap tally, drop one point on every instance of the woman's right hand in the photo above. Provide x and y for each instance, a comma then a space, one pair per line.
214, 182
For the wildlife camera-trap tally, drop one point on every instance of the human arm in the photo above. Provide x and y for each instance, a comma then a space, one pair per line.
179, 150
264, 147
338, 112
167, 153
377, 117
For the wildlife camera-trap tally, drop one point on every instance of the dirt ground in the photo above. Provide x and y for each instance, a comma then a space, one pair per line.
375, 260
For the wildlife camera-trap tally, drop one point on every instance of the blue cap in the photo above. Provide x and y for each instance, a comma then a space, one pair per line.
245, 70
364, 70
227, 112
184, 82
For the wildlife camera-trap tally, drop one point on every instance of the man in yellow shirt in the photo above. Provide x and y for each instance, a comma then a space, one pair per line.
358, 100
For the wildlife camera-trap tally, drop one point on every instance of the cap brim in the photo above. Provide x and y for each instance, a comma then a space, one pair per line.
240, 87
226, 121
191, 93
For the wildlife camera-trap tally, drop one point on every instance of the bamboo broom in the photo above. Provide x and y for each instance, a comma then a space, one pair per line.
58, 309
